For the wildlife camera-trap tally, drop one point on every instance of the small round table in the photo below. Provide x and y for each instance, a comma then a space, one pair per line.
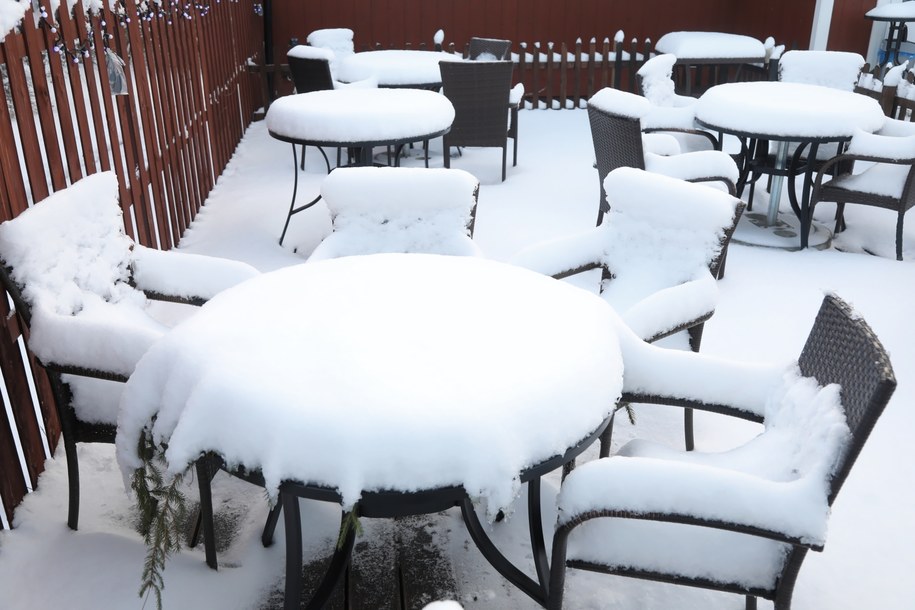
395, 384
358, 119
897, 15
788, 112
396, 68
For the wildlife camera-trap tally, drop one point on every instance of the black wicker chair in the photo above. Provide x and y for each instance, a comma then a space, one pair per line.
598, 249
479, 91
489, 48
65, 227
617, 136
841, 349
893, 189
310, 69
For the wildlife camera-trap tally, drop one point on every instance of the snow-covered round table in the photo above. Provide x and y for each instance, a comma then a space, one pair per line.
394, 384
897, 14
784, 112
358, 119
396, 68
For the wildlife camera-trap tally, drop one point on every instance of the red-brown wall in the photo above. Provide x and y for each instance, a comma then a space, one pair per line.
396, 23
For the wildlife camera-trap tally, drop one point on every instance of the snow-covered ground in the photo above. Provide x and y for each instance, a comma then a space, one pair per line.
767, 304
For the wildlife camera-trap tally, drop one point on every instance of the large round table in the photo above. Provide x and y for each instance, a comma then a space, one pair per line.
394, 384
809, 115
358, 119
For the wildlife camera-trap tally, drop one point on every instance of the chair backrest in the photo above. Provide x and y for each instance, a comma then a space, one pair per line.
673, 229
655, 79
310, 68
903, 105
489, 49
338, 40
396, 209
479, 92
70, 249
842, 349
616, 132
835, 69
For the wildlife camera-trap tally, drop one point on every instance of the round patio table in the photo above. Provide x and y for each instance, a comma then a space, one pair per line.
809, 115
394, 384
396, 68
897, 15
358, 119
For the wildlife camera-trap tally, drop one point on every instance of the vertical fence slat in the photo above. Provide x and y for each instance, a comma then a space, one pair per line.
74, 72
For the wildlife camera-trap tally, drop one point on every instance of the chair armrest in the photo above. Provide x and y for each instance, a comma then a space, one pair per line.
697, 380
105, 346
673, 309
564, 256
845, 164
183, 277
665, 490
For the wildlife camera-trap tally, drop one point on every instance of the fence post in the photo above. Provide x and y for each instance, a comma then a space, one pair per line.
549, 75
578, 70
522, 66
563, 75
536, 80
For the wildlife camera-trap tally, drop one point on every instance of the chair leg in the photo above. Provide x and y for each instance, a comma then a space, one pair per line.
447, 151
504, 158
899, 235
426, 152
557, 569
72, 483
302, 162
204, 478
840, 217
751, 603
270, 526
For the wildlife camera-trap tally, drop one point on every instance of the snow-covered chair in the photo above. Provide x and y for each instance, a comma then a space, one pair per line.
616, 130
660, 247
741, 521
337, 40
834, 69
81, 288
887, 182
398, 209
671, 112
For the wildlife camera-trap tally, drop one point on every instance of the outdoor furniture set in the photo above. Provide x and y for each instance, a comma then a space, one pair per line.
391, 424
385, 98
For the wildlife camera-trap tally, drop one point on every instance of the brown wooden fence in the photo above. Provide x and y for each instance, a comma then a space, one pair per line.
188, 101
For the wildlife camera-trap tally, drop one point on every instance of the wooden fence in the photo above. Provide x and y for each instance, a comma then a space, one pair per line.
188, 99
565, 75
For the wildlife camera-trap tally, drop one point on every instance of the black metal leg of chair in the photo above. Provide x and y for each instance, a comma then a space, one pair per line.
504, 159
270, 526
426, 152
73, 484
535, 525
206, 510
292, 521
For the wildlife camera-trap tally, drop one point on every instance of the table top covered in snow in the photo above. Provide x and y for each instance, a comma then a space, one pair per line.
403, 372
359, 117
396, 68
788, 111
720, 47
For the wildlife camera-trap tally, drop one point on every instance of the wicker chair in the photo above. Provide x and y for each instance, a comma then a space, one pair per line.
479, 91
80, 288
616, 131
740, 521
889, 183
491, 49
834, 69
659, 282
311, 71
396, 209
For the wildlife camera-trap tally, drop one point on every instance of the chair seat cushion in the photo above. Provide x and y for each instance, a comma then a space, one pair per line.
689, 551
882, 179
694, 165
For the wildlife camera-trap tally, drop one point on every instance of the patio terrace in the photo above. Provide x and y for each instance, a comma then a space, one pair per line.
767, 303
